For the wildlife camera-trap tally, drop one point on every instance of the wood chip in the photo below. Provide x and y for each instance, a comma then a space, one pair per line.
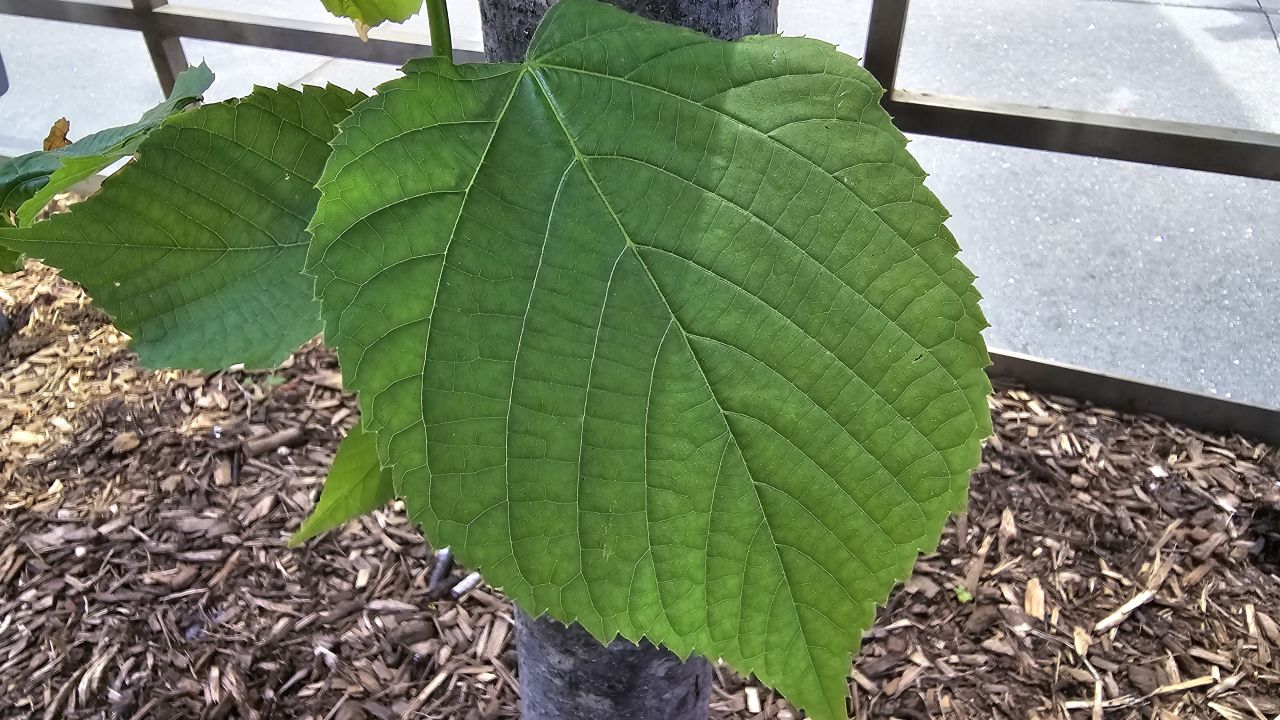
124, 442
1185, 685
1033, 599
1081, 640
1124, 611
266, 443
753, 699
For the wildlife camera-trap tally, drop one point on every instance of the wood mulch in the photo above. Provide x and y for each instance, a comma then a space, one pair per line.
1108, 566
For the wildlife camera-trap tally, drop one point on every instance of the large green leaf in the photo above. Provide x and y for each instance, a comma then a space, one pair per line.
662, 333
372, 13
356, 484
196, 248
28, 182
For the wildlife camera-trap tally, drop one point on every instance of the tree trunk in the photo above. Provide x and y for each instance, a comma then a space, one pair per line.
565, 674
509, 24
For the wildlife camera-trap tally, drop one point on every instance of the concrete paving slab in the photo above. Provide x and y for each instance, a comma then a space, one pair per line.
1249, 5
351, 74
843, 24
1210, 66
1168, 275
95, 77
237, 68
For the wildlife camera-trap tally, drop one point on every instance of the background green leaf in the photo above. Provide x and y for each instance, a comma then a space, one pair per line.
196, 248
374, 12
71, 170
10, 261
356, 484
662, 333
29, 182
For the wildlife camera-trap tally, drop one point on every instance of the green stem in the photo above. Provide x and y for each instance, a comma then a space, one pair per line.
438, 19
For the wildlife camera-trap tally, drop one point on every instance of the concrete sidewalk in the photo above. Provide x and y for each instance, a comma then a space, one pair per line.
1171, 276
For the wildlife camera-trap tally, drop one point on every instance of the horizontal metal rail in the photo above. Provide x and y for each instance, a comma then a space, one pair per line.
1245, 153
1206, 412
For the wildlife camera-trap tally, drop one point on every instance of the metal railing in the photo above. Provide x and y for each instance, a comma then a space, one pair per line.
1244, 153
163, 26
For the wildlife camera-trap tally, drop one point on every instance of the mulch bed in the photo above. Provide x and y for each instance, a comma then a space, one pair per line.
1107, 566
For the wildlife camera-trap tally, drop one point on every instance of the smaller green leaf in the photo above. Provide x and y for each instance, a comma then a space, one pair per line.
10, 261
73, 170
963, 594
28, 182
372, 13
196, 247
22, 177
356, 485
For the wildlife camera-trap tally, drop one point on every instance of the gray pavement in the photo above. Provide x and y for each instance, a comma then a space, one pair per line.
1171, 276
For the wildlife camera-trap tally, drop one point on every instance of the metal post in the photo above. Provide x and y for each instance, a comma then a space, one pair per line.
167, 55
884, 40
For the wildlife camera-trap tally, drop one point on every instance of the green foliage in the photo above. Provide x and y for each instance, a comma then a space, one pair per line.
27, 183
356, 485
372, 13
196, 247
662, 333
10, 261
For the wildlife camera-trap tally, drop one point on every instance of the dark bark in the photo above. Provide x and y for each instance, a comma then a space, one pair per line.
566, 674
509, 24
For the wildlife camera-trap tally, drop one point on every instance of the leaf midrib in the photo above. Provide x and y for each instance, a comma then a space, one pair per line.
631, 245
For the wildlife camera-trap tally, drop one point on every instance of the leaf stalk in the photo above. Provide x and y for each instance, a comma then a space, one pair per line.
441, 40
